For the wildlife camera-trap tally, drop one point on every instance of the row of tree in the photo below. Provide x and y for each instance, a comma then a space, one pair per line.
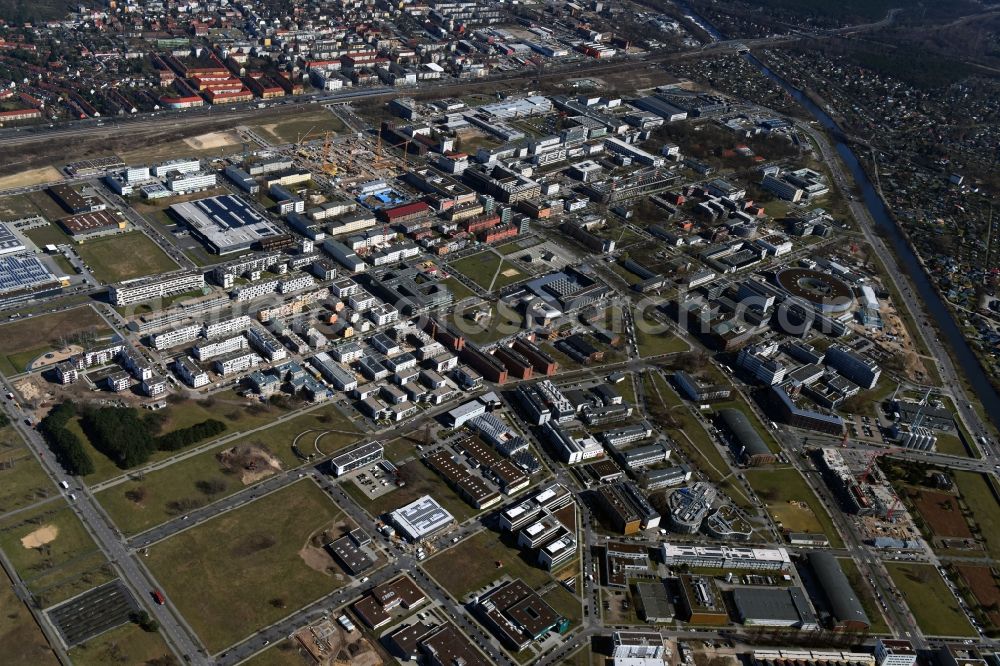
64, 443
127, 439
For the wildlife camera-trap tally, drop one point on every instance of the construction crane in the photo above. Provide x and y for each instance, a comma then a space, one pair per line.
875, 456
329, 166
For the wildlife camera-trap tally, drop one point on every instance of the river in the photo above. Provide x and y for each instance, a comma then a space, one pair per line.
951, 334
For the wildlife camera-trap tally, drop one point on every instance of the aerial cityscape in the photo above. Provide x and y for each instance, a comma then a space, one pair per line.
487, 332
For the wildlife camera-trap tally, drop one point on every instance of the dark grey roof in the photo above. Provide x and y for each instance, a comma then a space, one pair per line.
844, 602
743, 432
774, 604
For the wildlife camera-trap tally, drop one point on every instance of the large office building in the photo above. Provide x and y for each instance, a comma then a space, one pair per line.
725, 557
226, 224
894, 652
862, 371
517, 615
356, 458
157, 286
421, 518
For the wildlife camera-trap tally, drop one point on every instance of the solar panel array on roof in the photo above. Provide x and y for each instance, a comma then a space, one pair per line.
23, 272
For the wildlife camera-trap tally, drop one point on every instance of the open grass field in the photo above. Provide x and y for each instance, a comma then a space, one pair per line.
22, 479
239, 414
21, 639
565, 603
942, 513
304, 126
127, 644
124, 256
977, 491
287, 652
247, 568
26, 339
420, 481
791, 503
865, 595
929, 599
501, 323
984, 590
656, 344
50, 234
163, 494
471, 565
458, 290
52, 552
489, 271
31, 203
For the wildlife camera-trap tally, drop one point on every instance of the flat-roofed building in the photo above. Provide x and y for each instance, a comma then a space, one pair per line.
472, 489
421, 518
774, 607
356, 458
376, 608
350, 556
516, 615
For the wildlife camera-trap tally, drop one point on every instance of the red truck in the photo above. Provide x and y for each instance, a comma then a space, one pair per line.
158, 597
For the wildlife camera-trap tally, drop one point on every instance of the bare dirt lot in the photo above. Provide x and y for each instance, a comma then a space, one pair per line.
40, 537
212, 140
942, 513
328, 644
30, 177
984, 588
252, 462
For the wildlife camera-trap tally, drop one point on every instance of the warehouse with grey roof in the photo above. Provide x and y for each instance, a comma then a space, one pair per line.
846, 611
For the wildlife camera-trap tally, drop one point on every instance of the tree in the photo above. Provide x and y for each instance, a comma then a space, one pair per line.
136, 495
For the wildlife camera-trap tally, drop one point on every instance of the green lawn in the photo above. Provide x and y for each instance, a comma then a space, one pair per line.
26, 339
21, 639
929, 599
565, 603
127, 644
458, 290
791, 503
22, 479
976, 491
237, 413
124, 256
164, 494
243, 570
657, 344
50, 234
865, 595
471, 564
482, 268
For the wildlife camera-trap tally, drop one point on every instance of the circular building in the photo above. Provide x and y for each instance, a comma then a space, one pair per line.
827, 293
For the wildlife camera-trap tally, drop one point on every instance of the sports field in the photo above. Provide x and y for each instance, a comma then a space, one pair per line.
248, 568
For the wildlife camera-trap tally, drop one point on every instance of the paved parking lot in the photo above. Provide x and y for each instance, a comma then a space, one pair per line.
92, 613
